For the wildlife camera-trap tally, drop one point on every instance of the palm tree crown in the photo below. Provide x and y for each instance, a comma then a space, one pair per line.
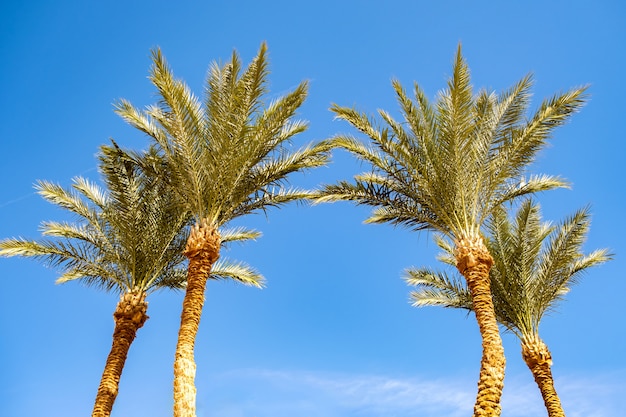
448, 165
535, 265
127, 237
232, 155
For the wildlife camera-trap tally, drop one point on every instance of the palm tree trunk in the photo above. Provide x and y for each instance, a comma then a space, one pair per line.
539, 360
129, 316
474, 263
202, 251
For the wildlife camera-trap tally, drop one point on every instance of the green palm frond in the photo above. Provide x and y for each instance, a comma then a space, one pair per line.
274, 171
529, 185
172, 279
140, 120
238, 234
561, 263
447, 254
356, 147
90, 191
225, 269
274, 197
68, 199
437, 288
594, 258
75, 261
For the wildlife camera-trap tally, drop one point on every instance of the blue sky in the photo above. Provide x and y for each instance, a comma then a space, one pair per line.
333, 334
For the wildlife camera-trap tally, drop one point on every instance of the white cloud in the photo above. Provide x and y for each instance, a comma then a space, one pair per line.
593, 395
265, 393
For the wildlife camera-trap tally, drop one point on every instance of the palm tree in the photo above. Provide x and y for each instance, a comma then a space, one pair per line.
128, 240
226, 157
446, 167
535, 266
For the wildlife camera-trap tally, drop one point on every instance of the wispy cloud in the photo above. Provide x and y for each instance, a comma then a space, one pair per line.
277, 393
593, 395
265, 393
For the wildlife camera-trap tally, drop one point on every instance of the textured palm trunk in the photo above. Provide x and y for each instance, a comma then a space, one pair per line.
539, 360
202, 251
474, 263
129, 316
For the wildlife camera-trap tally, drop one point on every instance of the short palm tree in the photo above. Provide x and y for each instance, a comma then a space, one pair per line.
226, 157
127, 239
535, 266
446, 167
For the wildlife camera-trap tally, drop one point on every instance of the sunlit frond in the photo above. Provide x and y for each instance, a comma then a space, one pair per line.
436, 288
225, 269
238, 234
66, 199
172, 279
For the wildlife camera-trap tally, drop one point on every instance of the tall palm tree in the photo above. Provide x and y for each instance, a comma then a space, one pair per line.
226, 157
535, 266
127, 239
446, 167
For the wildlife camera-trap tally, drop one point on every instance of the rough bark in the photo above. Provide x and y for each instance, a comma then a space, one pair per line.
129, 316
202, 251
539, 360
474, 263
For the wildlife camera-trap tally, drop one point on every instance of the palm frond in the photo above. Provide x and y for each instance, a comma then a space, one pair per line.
448, 250
172, 279
361, 151
437, 289
525, 186
141, 120
535, 264
238, 234
74, 261
562, 262
65, 199
274, 197
225, 269
518, 148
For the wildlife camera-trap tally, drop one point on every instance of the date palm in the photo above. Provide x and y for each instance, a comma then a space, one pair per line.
535, 265
128, 240
125, 241
446, 167
225, 157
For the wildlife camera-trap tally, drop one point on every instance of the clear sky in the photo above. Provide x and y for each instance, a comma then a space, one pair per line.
333, 333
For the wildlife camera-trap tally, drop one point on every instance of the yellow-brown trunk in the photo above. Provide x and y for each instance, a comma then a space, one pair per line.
539, 360
129, 316
474, 263
202, 251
